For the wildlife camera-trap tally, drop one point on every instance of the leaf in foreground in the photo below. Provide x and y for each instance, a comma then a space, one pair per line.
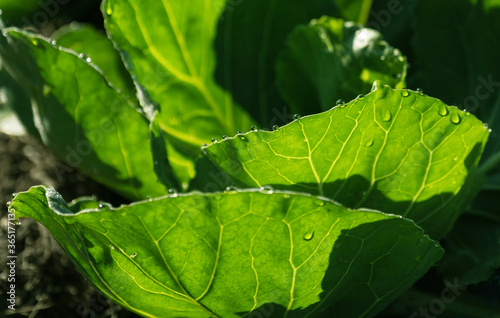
225, 254
330, 59
80, 117
396, 151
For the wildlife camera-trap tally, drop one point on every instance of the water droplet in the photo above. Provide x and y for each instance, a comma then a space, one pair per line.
340, 103
224, 137
320, 203
369, 143
466, 113
238, 132
109, 8
455, 118
112, 247
133, 255
13, 196
253, 128
276, 128
405, 93
34, 41
230, 189
149, 198
420, 91
485, 125
204, 145
360, 97
53, 42
296, 117
387, 116
308, 236
286, 196
442, 110
266, 189
214, 140
243, 138
173, 193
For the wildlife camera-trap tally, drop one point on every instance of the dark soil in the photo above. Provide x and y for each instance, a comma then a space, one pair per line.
47, 282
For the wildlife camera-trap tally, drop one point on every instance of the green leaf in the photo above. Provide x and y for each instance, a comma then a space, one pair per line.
167, 47
472, 258
457, 44
331, 59
396, 151
250, 36
85, 39
227, 254
80, 117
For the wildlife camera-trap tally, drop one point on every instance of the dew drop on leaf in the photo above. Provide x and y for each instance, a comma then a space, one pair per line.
296, 117
238, 132
230, 188
204, 145
308, 236
112, 247
149, 198
387, 116
455, 118
109, 8
286, 196
276, 128
133, 255
253, 128
34, 41
420, 91
443, 110
224, 137
173, 193
214, 140
243, 138
360, 97
53, 42
320, 203
266, 189
369, 143
405, 93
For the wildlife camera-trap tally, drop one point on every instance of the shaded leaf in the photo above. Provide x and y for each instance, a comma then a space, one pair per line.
331, 59
226, 254
457, 44
472, 258
93, 43
250, 36
80, 117
396, 151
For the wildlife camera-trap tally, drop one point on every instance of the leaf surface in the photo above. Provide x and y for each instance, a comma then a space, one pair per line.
330, 59
396, 151
167, 47
227, 254
80, 117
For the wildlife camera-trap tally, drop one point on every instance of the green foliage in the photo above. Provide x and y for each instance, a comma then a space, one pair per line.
336, 213
287, 253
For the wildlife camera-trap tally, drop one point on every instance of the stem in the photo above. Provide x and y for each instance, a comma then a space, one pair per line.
365, 12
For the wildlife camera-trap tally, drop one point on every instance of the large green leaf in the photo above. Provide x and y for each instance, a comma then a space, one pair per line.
167, 47
250, 36
396, 151
80, 117
331, 59
223, 255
